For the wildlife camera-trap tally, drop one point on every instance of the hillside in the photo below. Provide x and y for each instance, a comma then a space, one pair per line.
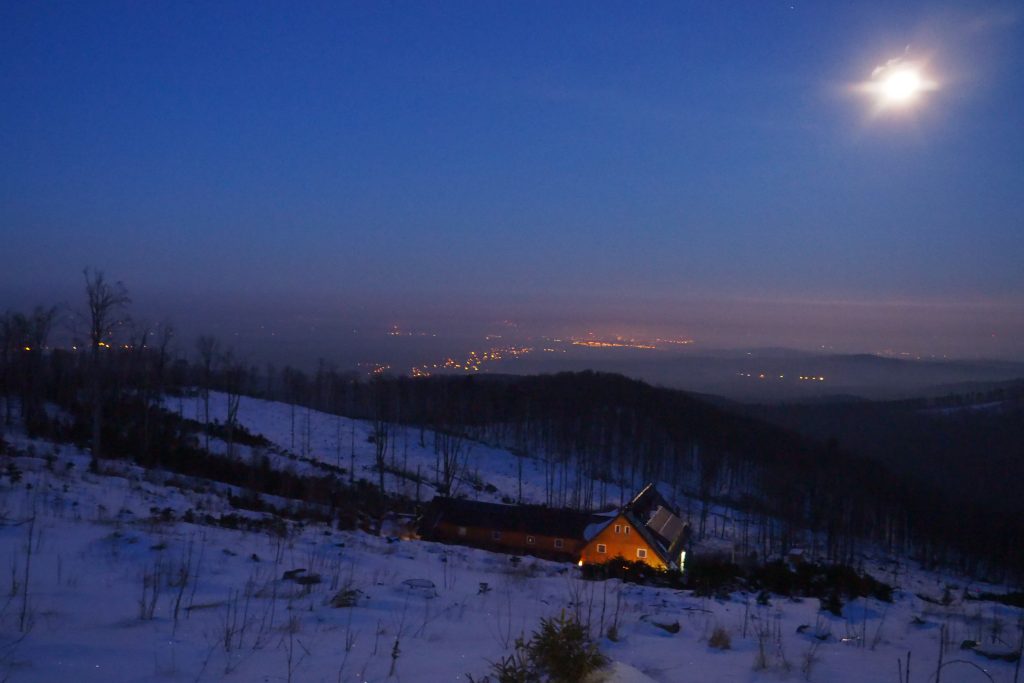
139, 574
969, 445
607, 428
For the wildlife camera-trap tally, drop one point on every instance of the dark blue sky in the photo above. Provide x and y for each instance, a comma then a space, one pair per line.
690, 165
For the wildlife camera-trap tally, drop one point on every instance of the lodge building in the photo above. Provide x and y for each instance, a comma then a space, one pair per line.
556, 534
647, 529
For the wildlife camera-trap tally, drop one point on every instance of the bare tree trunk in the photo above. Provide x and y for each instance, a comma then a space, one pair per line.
23, 617
207, 347
352, 435
452, 449
234, 376
104, 300
380, 442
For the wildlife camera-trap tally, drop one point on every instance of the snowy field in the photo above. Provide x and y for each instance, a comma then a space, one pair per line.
103, 581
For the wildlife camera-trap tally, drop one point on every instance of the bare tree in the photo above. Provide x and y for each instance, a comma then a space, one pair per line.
450, 447
234, 378
381, 428
23, 618
381, 434
13, 331
37, 334
207, 347
154, 360
105, 301
352, 431
453, 452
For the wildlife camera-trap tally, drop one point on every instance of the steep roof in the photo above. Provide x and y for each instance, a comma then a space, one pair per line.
658, 521
529, 519
666, 525
656, 544
649, 498
599, 521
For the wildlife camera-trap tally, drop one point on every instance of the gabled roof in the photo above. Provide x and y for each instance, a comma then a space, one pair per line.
649, 498
653, 541
529, 519
658, 522
599, 521
666, 525
653, 517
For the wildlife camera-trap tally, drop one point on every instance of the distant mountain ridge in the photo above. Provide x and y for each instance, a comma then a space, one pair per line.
779, 374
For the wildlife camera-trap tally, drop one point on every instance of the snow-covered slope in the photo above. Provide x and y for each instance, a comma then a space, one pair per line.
104, 581
333, 440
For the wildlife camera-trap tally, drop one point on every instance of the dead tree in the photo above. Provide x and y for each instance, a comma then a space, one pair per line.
37, 334
164, 338
234, 378
13, 331
207, 348
381, 429
452, 452
105, 300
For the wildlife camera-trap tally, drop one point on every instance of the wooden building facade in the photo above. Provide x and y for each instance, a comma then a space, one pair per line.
647, 529
621, 537
551, 533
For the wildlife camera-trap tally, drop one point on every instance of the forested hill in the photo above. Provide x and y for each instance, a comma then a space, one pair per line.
969, 446
589, 429
611, 427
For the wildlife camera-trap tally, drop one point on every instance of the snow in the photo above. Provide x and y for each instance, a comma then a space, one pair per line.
594, 528
988, 407
333, 440
98, 540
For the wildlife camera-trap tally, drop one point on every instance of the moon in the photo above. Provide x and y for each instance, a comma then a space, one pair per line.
901, 87
898, 85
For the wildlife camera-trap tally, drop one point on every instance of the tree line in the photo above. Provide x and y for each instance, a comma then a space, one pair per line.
592, 433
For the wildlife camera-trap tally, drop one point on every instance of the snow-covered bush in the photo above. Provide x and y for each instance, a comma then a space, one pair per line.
720, 639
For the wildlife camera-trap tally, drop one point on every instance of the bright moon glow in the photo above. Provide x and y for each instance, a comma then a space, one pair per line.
902, 86
897, 85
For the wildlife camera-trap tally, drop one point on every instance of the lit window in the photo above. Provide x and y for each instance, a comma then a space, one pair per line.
496, 535
558, 543
641, 553
602, 548
462, 531
530, 540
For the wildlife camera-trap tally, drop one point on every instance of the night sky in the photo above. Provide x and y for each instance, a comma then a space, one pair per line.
706, 168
